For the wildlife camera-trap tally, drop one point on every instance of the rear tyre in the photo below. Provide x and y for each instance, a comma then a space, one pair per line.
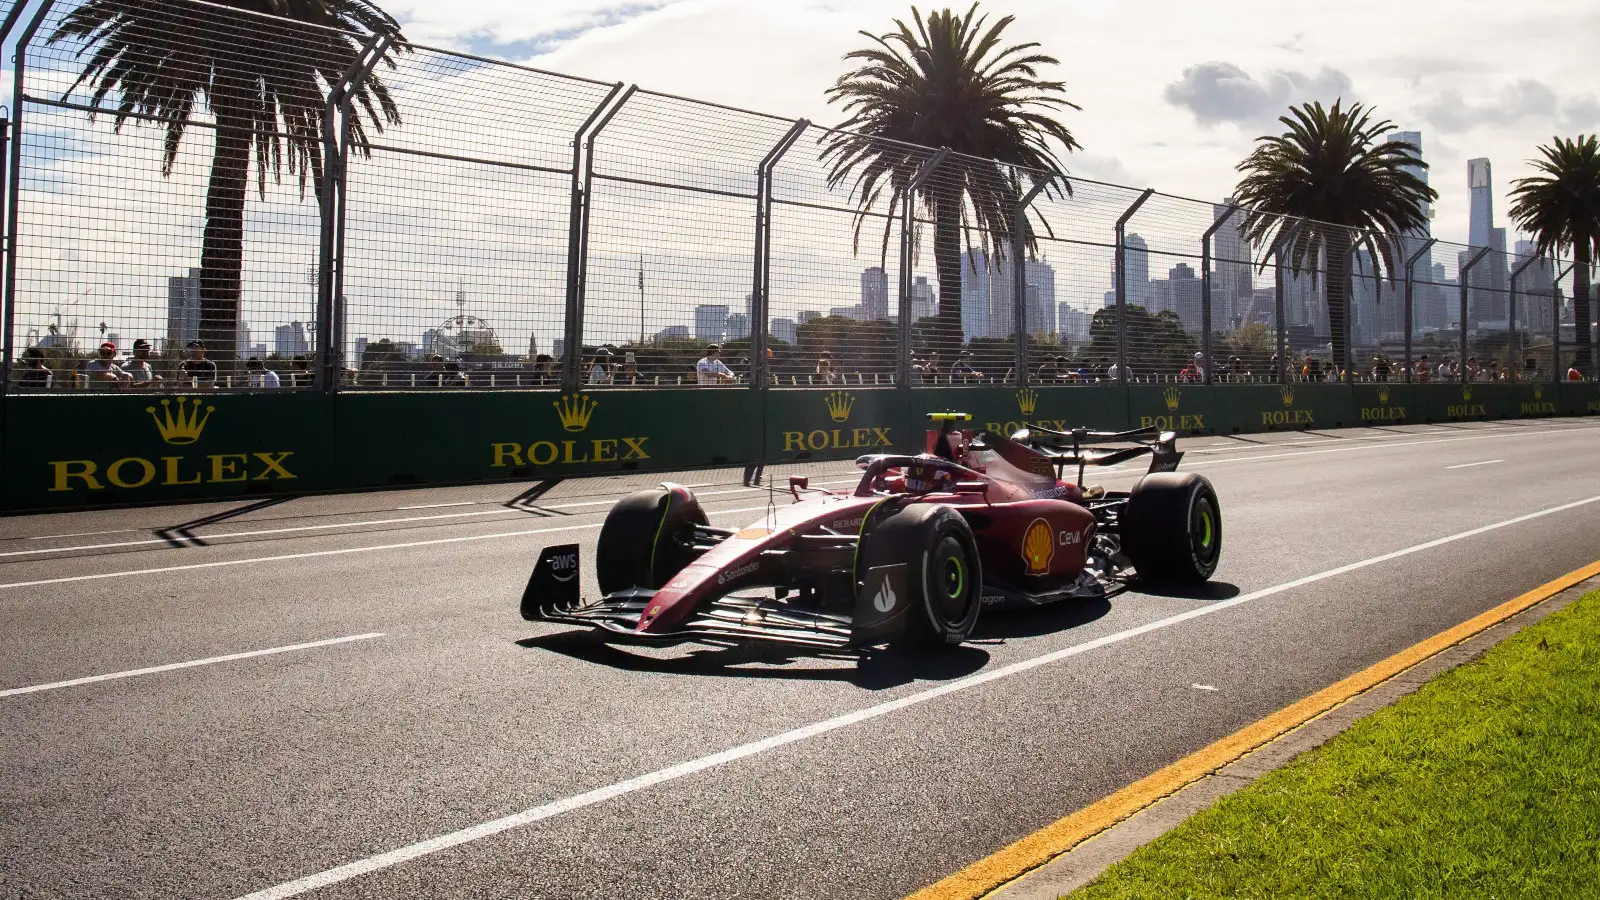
944, 578
647, 538
1172, 529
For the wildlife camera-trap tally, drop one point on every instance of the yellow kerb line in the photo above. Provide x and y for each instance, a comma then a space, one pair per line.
995, 871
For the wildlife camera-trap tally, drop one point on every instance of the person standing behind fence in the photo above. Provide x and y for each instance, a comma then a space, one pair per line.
138, 368
711, 369
197, 371
35, 375
104, 371
826, 373
261, 376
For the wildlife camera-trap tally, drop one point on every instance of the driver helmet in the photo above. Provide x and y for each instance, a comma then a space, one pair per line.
923, 477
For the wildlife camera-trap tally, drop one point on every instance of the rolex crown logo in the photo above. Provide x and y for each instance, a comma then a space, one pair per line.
575, 410
1466, 393
185, 426
1287, 394
1538, 392
1383, 395
839, 405
1027, 401
1172, 394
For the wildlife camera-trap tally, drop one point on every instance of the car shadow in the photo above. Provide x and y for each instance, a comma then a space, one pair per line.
874, 669
1210, 592
1052, 619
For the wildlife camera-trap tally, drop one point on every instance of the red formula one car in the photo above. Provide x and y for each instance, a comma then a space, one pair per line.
910, 557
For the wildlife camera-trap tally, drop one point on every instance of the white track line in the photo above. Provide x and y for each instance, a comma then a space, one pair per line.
1487, 462
661, 776
171, 667
436, 505
435, 542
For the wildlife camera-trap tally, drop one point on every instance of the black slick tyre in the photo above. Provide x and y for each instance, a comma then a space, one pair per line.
944, 577
646, 538
1172, 529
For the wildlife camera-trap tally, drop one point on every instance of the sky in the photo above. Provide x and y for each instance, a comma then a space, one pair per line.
1172, 92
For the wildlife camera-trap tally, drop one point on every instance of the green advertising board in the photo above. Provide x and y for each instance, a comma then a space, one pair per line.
1279, 407
1578, 398
117, 448
460, 436
1007, 409
840, 423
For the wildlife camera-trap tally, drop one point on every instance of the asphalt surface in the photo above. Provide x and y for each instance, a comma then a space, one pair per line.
444, 711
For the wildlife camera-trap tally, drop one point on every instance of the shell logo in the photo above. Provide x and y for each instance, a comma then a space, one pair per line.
1038, 547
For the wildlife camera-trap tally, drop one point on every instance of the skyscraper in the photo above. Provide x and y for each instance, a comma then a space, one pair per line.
1482, 214
290, 339
1137, 253
974, 294
1231, 286
924, 302
1488, 279
1186, 296
1040, 282
183, 309
710, 322
875, 295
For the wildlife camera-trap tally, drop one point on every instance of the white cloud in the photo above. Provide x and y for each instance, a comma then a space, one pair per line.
1221, 92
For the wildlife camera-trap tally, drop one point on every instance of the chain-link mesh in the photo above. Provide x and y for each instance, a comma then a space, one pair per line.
435, 231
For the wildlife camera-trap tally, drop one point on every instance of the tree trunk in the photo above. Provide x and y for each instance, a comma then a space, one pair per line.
222, 247
1580, 306
1338, 298
946, 337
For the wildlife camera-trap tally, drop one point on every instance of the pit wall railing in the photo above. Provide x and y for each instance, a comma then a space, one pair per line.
90, 450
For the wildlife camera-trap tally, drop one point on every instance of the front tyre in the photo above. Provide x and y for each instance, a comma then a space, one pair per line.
647, 538
944, 578
1172, 529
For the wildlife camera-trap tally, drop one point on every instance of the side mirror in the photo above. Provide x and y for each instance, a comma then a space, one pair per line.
798, 483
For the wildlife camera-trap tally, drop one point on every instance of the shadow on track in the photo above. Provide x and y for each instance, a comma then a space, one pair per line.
875, 668
1210, 592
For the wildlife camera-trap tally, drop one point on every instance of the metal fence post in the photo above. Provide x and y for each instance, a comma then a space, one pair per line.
907, 221
1411, 299
578, 236
1466, 276
1556, 375
8, 303
1512, 361
336, 114
1019, 276
1205, 289
1121, 285
1279, 290
761, 281
1348, 375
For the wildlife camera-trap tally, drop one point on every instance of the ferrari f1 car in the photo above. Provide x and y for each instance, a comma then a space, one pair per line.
910, 557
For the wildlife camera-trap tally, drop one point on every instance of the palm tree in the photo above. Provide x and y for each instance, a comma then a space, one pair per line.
263, 83
1561, 209
949, 82
1331, 185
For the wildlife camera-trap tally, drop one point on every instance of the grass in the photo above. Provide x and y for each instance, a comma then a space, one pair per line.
1483, 784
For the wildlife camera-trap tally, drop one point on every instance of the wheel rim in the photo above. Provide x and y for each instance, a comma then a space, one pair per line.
950, 582
1205, 531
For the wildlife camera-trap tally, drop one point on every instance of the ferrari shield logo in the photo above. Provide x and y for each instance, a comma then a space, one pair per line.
1038, 547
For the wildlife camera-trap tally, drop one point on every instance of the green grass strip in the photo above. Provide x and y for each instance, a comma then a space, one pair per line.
1484, 783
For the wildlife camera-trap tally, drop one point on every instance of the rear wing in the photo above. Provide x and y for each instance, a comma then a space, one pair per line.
1081, 447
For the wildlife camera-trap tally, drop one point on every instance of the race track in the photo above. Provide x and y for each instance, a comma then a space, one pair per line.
434, 744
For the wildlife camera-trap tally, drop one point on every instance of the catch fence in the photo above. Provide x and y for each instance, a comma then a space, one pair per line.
384, 215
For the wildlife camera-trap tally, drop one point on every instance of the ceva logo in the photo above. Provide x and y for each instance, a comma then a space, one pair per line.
179, 424
574, 412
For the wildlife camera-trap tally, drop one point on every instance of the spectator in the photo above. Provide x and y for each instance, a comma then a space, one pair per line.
197, 371
1199, 366
1312, 369
1188, 373
300, 372
35, 374
1381, 369
963, 366
544, 368
826, 373
103, 370
1573, 374
1237, 369
630, 367
600, 367
711, 370
930, 366
1422, 370
1115, 372
138, 368
261, 376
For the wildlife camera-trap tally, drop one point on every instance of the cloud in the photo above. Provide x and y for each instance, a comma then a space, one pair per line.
1218, 92
1524, 102
1098, 167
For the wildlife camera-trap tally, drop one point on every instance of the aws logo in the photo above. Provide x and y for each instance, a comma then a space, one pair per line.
179, 425
839, 405
573, 412
1288, 415
1383, 412
1177, 421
